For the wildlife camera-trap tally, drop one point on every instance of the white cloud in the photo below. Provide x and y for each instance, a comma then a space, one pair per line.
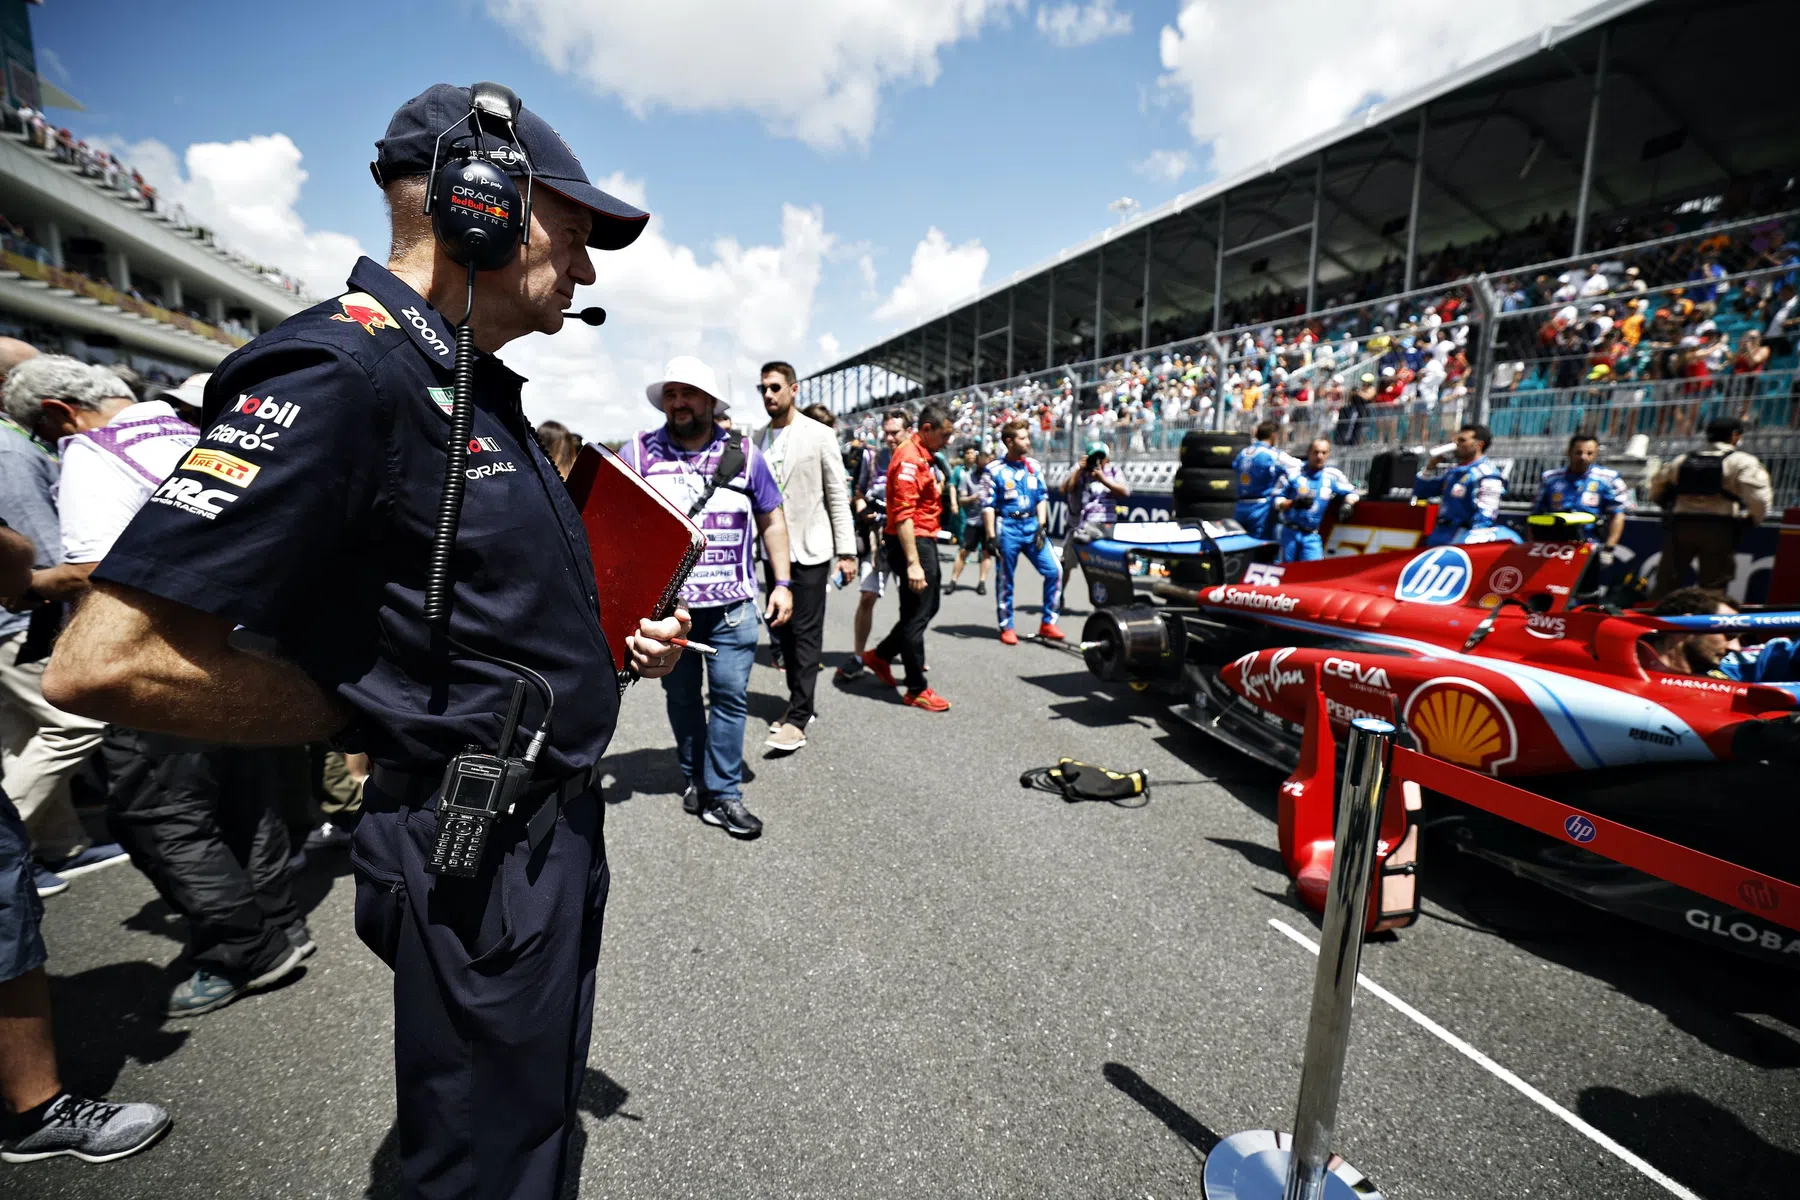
829, 347
736, 307
811, 69
1164, 166
940, 274
245, 192
865, 266
1217, 56
1071, 25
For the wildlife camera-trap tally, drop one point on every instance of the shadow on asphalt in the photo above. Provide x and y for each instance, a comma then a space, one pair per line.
1692, 1140
1179, 1120
652, 771
601, 1097
107, 1017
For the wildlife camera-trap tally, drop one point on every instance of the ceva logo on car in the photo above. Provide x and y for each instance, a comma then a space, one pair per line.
1439, 576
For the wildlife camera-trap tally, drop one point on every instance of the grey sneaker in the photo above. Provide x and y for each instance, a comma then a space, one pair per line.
301, 939
733, 818
90, 1130
786, 738
690, 801
204, 991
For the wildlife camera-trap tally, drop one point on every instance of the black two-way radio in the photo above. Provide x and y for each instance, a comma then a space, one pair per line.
480, 220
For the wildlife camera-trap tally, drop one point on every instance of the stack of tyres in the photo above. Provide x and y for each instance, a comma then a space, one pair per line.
1205, 488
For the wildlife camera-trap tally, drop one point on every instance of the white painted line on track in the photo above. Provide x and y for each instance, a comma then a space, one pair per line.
1501, 1073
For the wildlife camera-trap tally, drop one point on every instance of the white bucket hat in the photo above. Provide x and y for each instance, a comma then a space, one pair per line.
685, 368
192, 391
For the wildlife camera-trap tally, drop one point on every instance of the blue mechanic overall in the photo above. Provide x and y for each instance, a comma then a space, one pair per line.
1261, 470
1597, 490
1309, 494
1014, 488
1774, 661
1469, 504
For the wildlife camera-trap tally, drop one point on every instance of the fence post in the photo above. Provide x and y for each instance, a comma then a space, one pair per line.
1260, 1164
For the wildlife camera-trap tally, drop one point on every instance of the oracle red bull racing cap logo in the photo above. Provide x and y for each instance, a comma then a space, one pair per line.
360, 308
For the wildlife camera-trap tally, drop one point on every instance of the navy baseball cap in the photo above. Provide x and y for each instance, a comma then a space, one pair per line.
413, 131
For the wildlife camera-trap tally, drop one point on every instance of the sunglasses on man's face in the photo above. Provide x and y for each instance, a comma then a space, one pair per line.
766, 388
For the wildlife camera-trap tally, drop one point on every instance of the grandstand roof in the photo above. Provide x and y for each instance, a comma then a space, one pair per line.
1503, 140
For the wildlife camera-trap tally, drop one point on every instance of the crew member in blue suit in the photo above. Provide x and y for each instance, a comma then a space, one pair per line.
1305, 499
1016, 507
1262, 467
1469, 492
1582, 487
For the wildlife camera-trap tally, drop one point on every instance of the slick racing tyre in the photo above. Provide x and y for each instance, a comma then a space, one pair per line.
1203, 448
1206, 510
1204, 483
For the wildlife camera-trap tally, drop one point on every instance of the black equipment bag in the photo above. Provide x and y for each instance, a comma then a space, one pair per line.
1073, 781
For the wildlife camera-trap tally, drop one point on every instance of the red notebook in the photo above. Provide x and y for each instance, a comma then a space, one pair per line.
642, 545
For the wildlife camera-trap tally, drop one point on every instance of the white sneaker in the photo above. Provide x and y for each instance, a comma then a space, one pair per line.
786, 738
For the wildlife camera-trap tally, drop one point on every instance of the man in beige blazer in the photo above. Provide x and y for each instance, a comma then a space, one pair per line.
808, 466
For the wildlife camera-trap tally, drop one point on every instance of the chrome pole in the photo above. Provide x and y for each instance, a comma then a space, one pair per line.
1340, 953
1261, 1164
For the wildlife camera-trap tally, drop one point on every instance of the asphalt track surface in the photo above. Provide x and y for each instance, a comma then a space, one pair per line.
925, 981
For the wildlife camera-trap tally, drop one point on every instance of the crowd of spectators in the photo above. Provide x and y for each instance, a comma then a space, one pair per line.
1718, 304
106, 170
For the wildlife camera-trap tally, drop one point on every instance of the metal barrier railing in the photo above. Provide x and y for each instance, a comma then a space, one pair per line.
1262, 1164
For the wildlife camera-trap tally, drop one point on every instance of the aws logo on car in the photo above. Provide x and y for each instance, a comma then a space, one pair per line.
1461, 722
1441, 575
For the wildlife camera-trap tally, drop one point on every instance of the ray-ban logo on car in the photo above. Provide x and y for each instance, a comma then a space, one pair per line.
1580, 829
1438, 576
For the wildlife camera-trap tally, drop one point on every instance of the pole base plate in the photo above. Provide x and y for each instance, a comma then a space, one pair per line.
1253, 1165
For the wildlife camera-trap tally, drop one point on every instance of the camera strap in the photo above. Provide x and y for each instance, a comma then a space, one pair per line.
731, 462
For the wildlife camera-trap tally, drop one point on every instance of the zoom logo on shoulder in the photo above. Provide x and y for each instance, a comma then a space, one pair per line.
1438, 576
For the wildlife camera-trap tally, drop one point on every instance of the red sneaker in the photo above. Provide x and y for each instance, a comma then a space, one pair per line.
882, 669
1008, 637
1051, 633
928, 700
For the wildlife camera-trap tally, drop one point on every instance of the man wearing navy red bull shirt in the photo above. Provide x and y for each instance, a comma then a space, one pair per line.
1583, 487
1016, 507
1469, 493
1305, 499
318, 544
1262, 468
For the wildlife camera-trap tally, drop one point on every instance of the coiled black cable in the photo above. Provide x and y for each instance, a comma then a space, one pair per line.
456, 459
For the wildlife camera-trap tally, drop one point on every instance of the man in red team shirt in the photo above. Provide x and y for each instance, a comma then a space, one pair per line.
913, 504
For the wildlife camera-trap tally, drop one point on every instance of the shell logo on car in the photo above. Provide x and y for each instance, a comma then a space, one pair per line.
1461, 722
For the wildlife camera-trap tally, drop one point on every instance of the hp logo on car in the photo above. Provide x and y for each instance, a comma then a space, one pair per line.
1580, 829
1438, 576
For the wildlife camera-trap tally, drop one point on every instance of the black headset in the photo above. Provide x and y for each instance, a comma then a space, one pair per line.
475, 207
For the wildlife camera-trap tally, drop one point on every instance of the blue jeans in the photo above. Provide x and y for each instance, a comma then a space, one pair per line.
710, 747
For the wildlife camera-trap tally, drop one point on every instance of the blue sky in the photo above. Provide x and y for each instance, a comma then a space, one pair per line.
825, 139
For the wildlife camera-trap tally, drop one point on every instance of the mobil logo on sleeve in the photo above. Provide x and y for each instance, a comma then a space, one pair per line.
1441, 575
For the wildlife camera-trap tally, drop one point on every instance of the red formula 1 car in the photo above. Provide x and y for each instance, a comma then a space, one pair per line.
1484, 657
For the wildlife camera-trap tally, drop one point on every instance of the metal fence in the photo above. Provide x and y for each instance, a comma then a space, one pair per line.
1319, 358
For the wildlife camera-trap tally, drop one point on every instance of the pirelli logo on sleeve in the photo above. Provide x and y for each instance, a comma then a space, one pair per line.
229, 467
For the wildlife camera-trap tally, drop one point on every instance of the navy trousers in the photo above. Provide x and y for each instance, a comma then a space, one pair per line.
493, 993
